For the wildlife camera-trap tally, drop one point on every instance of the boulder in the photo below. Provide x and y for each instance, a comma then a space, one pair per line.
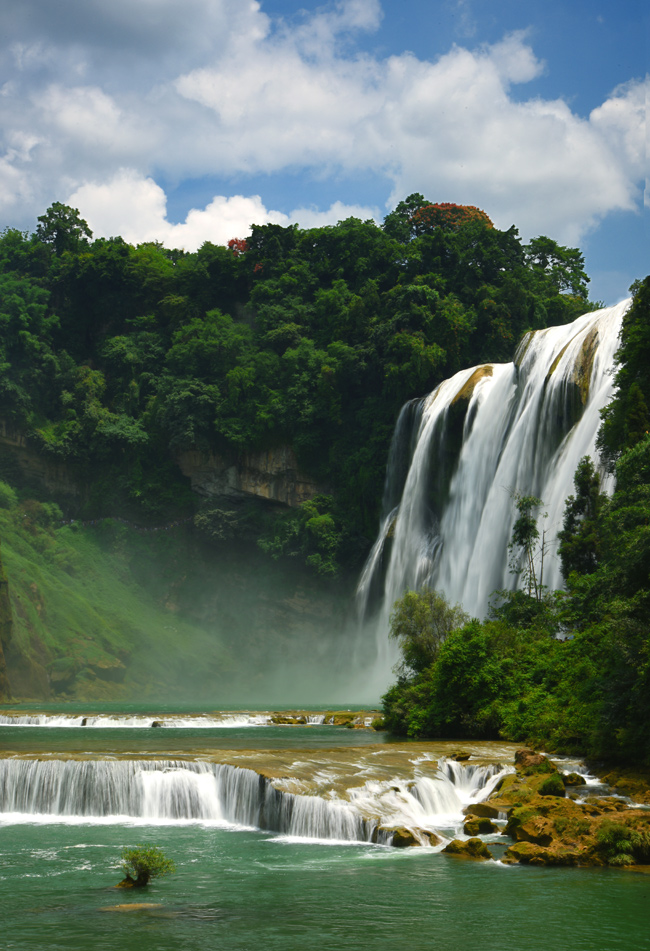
552, 786
479, 825
461, 756
528, 761
468, 849
403, 838
529, 853
539, 830
574, 779
487, 810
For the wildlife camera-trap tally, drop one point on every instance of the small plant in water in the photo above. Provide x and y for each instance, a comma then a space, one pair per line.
143, 863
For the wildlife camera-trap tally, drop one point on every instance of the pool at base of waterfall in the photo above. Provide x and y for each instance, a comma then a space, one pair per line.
278, 848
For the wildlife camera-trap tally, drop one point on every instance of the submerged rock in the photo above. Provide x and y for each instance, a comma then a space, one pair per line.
132, 906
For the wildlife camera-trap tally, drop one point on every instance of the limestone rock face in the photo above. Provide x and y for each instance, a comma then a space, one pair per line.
55, 476
465, 394
271, 474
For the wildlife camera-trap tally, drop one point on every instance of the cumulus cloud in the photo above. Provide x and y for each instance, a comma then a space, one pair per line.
135, 207
218, 88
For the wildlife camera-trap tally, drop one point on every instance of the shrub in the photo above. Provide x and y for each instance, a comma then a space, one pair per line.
143, 863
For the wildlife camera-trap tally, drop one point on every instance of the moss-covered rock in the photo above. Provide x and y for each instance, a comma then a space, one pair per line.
468, 849
529, 853
574, 779
494, 809
403, 838
530, 763
479, 825
552, 786
633, 782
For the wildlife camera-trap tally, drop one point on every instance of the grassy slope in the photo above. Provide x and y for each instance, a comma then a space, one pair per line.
82, 620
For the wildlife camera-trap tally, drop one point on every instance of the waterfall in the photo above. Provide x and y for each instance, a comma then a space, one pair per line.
483, 435
163, 791
124, 721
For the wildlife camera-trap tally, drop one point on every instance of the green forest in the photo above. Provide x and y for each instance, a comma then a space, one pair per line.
115, 360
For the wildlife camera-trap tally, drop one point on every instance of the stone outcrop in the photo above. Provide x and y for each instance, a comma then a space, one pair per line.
466, 392
271, 474
37, 468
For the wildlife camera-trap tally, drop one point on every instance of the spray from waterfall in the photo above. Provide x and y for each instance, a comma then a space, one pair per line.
459, 456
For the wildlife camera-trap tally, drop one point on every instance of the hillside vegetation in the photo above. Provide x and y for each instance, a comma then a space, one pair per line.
115, 360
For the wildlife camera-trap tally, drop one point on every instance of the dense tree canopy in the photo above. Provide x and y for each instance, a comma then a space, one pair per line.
114, 358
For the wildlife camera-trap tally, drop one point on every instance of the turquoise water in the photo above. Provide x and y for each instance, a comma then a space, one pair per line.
247, 890
238, 888
183, 741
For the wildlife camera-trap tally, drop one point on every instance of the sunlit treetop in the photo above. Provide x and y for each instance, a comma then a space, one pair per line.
447, 216
416, 216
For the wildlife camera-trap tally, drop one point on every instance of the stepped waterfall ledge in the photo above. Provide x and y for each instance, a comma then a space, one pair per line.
429, 795
461, 453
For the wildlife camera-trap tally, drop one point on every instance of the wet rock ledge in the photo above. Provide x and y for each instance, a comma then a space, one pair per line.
551, 823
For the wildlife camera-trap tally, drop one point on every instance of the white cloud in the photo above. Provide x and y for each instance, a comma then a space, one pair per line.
622, 121
217, 88
135, 207
338, 211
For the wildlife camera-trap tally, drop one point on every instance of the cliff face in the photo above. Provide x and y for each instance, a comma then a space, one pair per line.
36, 469
5, 633
272, 474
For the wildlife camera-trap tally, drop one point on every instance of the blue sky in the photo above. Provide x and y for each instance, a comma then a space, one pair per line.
187, 122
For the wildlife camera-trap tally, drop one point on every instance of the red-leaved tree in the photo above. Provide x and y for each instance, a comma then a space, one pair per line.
447, 216
238, 246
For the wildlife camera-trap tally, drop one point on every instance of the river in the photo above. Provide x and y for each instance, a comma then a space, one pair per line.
241, 887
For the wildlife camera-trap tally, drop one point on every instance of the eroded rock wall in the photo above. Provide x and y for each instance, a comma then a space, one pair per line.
271, 474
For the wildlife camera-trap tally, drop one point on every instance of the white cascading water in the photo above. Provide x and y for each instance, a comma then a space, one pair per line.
156, 791
527, 425
118, 722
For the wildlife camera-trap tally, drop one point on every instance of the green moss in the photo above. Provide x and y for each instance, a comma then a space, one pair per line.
553, 786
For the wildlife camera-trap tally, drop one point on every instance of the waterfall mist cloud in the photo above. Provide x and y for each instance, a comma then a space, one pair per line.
111, 107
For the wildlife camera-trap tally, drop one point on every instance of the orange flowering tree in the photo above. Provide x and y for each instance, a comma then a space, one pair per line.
447, 216
238, 246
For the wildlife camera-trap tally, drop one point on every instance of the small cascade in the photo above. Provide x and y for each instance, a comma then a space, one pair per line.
460, 454
163, 791
107, 721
